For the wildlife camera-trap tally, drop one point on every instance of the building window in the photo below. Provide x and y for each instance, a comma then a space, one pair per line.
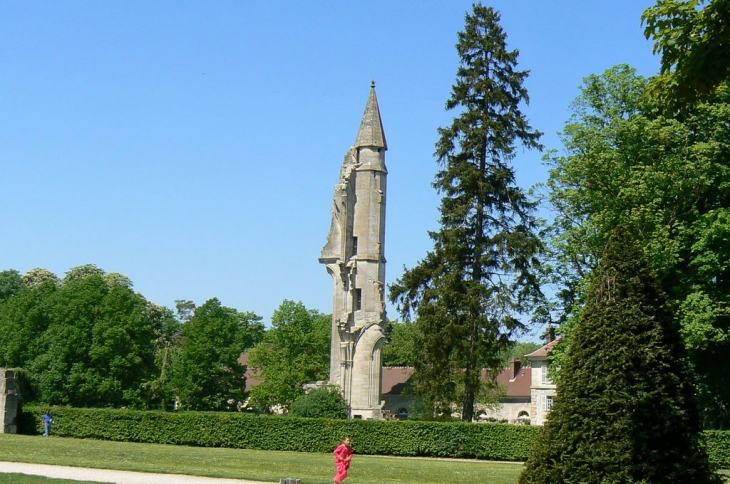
357, 299
547, 402
545, 375
354, 246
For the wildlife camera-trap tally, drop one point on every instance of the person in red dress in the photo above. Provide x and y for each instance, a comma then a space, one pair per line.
343, 456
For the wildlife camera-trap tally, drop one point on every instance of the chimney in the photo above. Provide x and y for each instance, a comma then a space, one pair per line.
516, 367
550, 334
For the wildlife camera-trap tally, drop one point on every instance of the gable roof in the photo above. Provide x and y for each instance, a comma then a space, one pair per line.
545, 350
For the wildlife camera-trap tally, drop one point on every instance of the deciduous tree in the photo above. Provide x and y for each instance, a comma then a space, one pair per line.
294, 351
624, 162
207, 373
694, 44
401, 347
10, 283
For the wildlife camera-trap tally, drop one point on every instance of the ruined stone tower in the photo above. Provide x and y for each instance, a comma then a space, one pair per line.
355, 259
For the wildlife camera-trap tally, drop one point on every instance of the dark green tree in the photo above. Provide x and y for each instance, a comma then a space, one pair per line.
159, 391
694, 44
207, 374
10, 283
294, 351
325, 402
467, 291
625, 410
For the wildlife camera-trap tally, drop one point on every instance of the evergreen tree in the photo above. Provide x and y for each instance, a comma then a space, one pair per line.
625, 409
481, 272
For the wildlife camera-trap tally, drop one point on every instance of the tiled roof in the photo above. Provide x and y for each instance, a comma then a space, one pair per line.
545, 350
395, 379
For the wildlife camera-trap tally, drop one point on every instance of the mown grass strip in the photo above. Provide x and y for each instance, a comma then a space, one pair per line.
255, 465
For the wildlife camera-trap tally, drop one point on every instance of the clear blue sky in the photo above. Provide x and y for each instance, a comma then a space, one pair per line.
194, 145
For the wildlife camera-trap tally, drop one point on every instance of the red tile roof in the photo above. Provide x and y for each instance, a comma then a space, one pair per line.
395, 379
545, 350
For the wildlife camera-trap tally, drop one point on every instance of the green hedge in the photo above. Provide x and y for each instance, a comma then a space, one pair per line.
718, 447
243, 431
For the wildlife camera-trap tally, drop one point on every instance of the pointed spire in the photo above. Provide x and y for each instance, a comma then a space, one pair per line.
371, 129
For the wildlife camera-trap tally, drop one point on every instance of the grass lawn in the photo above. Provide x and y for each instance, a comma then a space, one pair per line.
24, 479
244, 464
241, 464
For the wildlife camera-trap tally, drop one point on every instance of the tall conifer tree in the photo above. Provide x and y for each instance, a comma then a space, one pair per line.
625, 410
481, 272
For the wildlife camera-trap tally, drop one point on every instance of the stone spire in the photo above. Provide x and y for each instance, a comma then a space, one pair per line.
354, 258
371, 129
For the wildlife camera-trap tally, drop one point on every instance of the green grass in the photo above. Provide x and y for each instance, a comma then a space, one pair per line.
240, 464
246, 464
25, 479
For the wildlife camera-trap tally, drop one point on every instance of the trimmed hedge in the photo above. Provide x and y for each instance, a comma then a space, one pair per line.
489, 441
245, 431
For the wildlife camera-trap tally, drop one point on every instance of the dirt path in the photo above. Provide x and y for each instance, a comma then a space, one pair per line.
111, 476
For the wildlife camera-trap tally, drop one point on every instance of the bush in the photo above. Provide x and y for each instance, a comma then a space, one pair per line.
320, 403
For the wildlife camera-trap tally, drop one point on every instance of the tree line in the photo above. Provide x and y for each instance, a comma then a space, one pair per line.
89, 340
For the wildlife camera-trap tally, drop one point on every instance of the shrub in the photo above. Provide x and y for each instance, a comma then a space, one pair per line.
321, 402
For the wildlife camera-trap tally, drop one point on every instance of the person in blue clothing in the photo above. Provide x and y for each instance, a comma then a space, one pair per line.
47, 423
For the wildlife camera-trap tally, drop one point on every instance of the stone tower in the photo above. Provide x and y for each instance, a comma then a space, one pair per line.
355, 259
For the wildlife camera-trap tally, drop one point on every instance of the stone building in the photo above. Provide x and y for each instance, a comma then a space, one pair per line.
354, 257
514, 405
542, 389
528, 391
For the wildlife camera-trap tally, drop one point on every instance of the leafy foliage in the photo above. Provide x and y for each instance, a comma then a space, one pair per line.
518, 350
401, 349
294, 351
83, 341
625, 410
467, 292
207, 374
695, 47
626, 163
325, 402
10, 283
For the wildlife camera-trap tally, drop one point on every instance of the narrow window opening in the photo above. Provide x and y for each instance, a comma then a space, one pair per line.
357, 295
